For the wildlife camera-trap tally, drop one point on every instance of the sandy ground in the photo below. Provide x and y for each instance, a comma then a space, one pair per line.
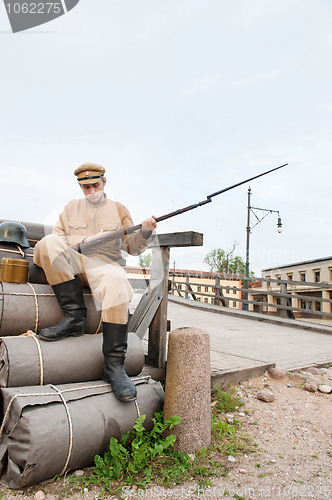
293, 458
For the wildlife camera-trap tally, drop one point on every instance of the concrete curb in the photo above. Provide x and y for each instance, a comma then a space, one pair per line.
227, 378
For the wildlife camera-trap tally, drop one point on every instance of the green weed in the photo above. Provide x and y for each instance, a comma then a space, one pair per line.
265, 474
142, 457
226, 400
227, 437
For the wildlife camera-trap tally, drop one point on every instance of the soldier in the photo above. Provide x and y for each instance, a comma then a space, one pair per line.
66, 270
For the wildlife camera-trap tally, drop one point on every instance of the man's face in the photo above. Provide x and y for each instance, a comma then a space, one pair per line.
94, 192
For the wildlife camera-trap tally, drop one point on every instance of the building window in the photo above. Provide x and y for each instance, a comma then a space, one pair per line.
227, 289
278, 277
317, 305
290, 276
303, 304
206, 299
206, 288
199, 288
302, 276
234, 290
317, 276
310, 305
234, 303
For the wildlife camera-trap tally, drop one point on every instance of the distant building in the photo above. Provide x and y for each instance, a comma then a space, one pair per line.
305, 282
211, 288
314, 271
208, 287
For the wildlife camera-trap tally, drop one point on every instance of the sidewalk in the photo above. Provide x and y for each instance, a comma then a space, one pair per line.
249, 346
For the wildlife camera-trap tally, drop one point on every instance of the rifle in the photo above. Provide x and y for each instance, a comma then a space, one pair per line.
110, 236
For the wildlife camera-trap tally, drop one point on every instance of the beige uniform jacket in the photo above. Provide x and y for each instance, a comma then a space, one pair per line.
80, 219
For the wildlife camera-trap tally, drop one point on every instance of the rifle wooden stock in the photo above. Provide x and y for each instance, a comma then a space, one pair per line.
108, 236
105, 238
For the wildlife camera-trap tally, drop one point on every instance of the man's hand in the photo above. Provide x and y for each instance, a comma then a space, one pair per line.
148, 225
88, 238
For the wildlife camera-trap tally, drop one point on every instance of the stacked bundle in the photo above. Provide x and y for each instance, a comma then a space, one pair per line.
50, 429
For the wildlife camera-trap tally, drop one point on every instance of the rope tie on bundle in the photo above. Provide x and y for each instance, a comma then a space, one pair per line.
70, 423
32, 334
21, 251
18, 251
36, 306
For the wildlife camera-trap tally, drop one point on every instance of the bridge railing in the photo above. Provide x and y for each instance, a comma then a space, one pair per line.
284, 298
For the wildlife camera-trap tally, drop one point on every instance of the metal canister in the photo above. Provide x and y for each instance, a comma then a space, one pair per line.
14, 270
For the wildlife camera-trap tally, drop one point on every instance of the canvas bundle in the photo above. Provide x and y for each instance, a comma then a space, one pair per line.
49, 430
28, 361
34, 307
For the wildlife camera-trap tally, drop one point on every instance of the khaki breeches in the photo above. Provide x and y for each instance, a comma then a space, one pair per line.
108, 282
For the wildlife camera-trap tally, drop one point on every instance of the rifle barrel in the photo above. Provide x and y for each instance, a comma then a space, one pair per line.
123, 232
244, 182
182, 210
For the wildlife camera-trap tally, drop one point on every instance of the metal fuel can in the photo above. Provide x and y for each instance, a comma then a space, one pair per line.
14, 270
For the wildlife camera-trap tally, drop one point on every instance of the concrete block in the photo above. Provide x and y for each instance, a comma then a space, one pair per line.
188, 388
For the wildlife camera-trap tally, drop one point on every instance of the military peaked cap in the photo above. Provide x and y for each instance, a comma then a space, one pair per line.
88, 173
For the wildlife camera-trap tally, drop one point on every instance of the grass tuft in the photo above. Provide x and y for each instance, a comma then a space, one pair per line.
142, 457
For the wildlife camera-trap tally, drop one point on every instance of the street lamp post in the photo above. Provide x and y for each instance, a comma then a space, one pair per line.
263, 212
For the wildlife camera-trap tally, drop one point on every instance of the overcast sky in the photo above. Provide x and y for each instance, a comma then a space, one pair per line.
177, 99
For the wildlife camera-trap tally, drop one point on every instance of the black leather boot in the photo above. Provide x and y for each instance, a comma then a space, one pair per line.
70, 297
114, 349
